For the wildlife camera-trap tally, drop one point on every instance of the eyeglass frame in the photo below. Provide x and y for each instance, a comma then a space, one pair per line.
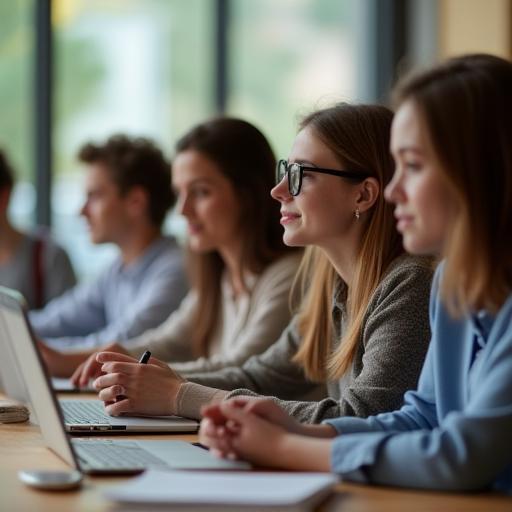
351, 175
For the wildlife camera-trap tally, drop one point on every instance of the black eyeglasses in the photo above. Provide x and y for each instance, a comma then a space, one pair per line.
295, 172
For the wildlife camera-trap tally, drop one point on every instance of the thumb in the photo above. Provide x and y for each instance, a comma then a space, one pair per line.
232, 411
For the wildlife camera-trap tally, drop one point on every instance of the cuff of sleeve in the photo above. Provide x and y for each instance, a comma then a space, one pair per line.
349, 425
353, 454
240, 392
191, 397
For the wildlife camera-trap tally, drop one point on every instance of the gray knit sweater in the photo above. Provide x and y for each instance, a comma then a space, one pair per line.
393, 345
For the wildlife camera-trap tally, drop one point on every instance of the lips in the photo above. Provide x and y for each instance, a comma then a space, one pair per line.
403, 221
194, 228
287, 217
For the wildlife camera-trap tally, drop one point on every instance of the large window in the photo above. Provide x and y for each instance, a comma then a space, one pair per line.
16, 93
148, 67
141, 67
287, 58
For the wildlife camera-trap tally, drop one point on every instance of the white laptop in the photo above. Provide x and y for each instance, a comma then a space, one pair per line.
80, 416
90, 455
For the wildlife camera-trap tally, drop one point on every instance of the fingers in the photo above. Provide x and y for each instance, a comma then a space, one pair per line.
214, 413
217, 438
88, 370
157, 362
118, 408
104, 357
131, 368
112, 393
77, 374
109, 379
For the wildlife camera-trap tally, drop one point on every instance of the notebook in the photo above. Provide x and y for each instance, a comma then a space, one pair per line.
90, 455
184, 490
80, 416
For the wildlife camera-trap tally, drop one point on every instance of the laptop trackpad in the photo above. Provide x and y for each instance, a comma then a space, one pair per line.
182, 455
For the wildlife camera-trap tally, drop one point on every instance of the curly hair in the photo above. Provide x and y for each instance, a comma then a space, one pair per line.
132, 162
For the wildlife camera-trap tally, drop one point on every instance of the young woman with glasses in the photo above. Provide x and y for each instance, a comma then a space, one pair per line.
241, 271
362, 324
452, 191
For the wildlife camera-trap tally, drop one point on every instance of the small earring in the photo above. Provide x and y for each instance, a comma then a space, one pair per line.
357, 214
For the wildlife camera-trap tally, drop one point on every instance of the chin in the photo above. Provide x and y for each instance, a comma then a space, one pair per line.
200, 246
293, 241
413, 245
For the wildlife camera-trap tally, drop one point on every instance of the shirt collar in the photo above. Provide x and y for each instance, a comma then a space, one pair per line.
482, 322
152, 252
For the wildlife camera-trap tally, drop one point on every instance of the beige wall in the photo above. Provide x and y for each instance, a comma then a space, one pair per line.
475, 26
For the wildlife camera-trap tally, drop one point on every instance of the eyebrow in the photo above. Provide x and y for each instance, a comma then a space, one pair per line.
196, 181
304, 162
405, 149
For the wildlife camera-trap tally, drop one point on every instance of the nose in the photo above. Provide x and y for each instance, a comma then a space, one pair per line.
394, 190
280, 192
184, 206
84, 210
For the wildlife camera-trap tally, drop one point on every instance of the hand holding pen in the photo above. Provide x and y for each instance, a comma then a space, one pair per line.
144, 358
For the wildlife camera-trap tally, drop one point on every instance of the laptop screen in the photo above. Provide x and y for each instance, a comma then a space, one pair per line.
21, 342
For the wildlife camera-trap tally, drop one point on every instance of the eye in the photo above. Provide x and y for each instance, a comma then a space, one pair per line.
413, 166
200, 192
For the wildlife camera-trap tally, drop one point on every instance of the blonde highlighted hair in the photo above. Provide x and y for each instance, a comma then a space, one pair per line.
465, 106
359, 137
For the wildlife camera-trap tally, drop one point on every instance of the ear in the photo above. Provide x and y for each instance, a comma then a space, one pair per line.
368, 193
137, 201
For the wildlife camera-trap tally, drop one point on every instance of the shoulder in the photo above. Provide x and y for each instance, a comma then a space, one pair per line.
165, 255
405, 287
286, 265
407, 272
50, 248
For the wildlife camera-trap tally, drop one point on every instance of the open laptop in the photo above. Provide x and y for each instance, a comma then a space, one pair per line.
90, 455
80, 416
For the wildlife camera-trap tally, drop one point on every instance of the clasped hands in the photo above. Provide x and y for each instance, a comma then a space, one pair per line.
253, 429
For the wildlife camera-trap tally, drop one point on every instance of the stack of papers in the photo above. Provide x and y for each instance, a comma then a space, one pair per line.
201, 490
11, 411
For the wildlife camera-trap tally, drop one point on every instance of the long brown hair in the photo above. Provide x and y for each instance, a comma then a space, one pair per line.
465, 106
359, 137
244, 156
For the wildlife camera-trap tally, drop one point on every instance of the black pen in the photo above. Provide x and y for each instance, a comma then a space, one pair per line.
144, 358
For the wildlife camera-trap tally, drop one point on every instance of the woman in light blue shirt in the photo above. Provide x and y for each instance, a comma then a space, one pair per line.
451, 140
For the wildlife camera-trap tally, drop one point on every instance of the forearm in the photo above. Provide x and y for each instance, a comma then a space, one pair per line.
320, 431
191, 397
302, 453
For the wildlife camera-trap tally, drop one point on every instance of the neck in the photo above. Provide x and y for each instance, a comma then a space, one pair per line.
134, 246
343, 255
232, 259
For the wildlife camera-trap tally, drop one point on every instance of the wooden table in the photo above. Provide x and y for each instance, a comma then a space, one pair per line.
22, 447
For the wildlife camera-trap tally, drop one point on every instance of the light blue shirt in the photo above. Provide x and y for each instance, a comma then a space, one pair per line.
455, 431
123, 302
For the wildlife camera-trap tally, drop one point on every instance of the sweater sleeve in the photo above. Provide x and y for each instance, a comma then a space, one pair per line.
395, 339
270, 373
268, 317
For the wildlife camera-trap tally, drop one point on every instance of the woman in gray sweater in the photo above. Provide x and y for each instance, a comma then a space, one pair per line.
362, 324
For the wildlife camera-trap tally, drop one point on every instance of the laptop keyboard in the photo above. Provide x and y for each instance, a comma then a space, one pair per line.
110, 455
86, 412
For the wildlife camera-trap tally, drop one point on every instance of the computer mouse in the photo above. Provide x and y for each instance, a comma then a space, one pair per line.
51, 480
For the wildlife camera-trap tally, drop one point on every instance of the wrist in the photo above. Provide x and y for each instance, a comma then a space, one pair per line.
174, 389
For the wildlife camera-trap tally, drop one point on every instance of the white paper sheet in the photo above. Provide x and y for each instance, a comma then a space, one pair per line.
253, 489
